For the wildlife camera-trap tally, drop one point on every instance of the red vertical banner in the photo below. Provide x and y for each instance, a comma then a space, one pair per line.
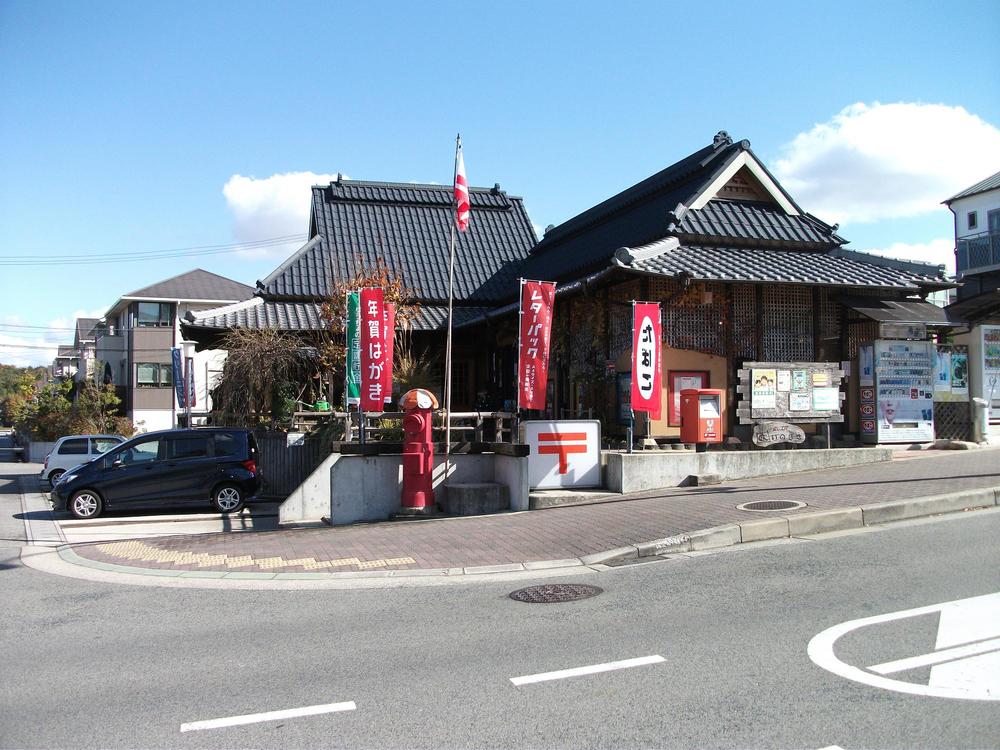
537, 299
647, 391
373, 350
389, 340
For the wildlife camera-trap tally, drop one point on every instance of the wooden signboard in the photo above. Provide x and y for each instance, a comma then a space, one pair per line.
806, 392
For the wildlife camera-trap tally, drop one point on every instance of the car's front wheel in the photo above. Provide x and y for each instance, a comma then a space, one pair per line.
54, 477
228, 499
85, 504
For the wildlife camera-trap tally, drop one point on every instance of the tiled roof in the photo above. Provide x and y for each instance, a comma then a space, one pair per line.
980, 187
766, 265
898, 311
67, 351
408, 227
755, 223
195, 285
257, 313
85, 329
306, 316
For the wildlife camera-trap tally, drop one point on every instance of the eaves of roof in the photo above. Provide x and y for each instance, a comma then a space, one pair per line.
983, 186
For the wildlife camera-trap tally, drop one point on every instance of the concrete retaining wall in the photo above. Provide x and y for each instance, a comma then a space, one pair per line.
348, 489
655, 470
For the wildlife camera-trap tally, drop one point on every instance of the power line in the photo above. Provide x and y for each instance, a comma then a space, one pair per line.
139, 255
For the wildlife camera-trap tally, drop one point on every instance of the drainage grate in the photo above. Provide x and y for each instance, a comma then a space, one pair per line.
758, 505
555, 592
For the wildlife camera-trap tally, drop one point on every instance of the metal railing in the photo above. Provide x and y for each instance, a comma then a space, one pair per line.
469, 426
978, 251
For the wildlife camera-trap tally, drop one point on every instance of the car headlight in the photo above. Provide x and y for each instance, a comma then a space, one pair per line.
66, 478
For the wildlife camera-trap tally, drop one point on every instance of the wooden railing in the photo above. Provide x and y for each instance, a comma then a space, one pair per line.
467, 426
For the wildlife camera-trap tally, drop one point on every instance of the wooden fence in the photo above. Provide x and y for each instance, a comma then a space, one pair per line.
285, 466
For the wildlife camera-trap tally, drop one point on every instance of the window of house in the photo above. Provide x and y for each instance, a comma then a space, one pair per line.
973, 220
153, 375
153, 314
993, 221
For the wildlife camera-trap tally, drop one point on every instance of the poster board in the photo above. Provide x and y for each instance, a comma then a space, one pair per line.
951, 373
904, 391
677, 381
806, 392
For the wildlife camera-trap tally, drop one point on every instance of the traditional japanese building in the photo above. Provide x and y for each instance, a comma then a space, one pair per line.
742, 271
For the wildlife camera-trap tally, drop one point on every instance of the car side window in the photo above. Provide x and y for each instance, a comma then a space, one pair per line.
141, 453
226, 444
76, 446
187, 447
102, 445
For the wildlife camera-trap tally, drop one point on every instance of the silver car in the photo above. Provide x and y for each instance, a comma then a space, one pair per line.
73, 450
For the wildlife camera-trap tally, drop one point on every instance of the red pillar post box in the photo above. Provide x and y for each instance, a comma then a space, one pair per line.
702, 415
418, 450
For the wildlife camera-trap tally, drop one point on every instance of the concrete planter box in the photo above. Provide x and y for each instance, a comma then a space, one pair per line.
655, 470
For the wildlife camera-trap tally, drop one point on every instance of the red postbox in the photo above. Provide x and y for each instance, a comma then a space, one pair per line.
418, 449
702, 415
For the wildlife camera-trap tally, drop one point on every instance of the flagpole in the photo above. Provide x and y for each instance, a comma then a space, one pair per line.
447, 356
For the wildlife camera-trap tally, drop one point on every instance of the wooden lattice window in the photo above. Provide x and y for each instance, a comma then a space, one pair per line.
696, 320
744, 308
788, 324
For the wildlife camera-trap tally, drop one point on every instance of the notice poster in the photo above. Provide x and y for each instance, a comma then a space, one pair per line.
942, 371
826, 399
762, 395
799, 402
537, 299
866, 365
353, 368
646, 370
784, 380
821, 379
904, 375
681, 381
373, 350
960, 372
991, 368
800, 380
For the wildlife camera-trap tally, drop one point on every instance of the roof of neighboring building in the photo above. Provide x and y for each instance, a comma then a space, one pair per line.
990, 183
356, 225
668, 257
85, 329
67, 352
194, 285
899, 311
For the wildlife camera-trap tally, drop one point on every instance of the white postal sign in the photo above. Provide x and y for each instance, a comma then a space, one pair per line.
565, 453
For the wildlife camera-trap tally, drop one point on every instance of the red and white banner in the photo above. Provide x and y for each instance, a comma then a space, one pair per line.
388, 337
461, 191
537, 299
646, 370
373, 351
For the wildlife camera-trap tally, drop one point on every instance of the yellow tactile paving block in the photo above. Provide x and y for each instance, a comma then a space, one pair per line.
142, 552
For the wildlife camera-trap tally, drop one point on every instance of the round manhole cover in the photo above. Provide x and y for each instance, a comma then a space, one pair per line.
758, 505
550, 593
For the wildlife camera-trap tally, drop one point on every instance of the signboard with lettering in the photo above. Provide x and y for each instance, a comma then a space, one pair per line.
373, 350
646, 370
564, 453
772, 433
537, 298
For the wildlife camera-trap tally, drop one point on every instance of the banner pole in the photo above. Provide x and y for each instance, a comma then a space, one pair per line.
447, 356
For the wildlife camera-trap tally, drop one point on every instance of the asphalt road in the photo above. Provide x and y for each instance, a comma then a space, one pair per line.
94, 665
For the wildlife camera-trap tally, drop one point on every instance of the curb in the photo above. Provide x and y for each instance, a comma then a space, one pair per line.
804, 524
717, 537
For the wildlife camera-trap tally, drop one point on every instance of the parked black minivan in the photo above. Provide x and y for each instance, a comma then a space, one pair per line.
170, 467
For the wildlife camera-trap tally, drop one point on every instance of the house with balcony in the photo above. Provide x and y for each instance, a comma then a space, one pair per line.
977, 259
135, 341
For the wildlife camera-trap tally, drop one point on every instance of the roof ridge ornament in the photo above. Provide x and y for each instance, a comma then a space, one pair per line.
722, 139
628, 255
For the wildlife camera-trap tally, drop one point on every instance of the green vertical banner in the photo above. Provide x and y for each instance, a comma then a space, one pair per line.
353, 369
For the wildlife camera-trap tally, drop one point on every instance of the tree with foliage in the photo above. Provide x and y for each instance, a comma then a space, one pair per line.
49, 412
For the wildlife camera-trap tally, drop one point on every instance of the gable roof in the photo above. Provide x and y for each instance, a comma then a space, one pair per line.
194, 285
85, 329
681, 201
983, 186
356, 224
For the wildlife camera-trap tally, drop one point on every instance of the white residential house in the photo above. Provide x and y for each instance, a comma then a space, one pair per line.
136, 337
977, 259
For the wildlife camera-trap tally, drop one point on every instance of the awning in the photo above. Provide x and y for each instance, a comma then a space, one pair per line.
901, 311
974, 309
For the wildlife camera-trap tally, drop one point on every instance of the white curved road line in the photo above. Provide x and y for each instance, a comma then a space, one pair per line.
966, 678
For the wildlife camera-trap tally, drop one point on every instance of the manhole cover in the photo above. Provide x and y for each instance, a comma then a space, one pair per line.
771, 505
555, 592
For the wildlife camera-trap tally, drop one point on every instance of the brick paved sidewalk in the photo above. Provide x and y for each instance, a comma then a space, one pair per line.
552, 534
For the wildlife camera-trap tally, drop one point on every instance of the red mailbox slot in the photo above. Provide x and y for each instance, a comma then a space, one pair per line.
702, 415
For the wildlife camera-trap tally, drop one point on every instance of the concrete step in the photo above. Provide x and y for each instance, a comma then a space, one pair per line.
539, 499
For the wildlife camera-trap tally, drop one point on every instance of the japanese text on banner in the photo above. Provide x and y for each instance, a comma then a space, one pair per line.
646, 369
537, 298
373, 350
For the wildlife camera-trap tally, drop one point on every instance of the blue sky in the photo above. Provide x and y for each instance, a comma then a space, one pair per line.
146, 127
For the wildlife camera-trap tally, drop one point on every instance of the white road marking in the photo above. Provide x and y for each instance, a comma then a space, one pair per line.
592, 669
291, 713
936, 657
975, 676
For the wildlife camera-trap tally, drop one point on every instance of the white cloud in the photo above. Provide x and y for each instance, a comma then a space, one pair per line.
939, 251
43, 342
880, 161
274, 206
